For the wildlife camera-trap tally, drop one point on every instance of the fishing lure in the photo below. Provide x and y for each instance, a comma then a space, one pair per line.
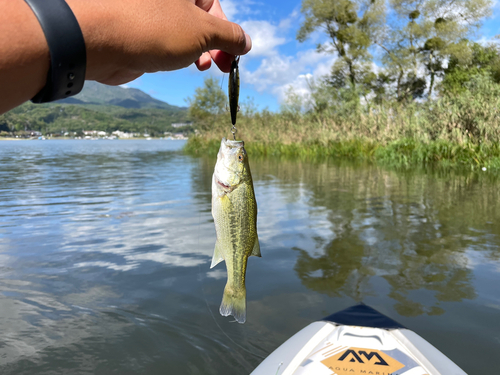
234, 92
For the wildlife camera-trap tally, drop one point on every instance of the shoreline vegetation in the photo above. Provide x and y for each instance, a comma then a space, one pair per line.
458, 131
405, 153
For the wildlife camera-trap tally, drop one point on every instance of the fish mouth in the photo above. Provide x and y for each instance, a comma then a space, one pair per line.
232, 144
223, 185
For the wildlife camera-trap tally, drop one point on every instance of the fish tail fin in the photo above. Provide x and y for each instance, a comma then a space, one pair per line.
234, 303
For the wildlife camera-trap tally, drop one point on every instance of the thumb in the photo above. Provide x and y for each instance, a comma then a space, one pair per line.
227, 36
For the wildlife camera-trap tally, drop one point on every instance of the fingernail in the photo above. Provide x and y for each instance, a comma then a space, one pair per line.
248, 45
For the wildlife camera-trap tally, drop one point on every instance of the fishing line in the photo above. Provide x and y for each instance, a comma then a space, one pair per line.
225, 334
222, 81
217, 323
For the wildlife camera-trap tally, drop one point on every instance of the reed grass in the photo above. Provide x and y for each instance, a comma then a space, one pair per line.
460, 131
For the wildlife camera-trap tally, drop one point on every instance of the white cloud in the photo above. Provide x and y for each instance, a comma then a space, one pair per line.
166, 256
234, 10
229, 8
486, 41
277, 73
264, 36
108, 265
292, 19
217, 274
300, 86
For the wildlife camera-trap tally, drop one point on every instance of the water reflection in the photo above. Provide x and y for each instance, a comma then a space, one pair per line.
414, 231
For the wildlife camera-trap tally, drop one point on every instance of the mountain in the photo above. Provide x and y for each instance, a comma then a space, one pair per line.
97, 107
99, 94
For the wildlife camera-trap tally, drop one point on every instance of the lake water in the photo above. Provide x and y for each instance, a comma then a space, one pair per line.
105, 251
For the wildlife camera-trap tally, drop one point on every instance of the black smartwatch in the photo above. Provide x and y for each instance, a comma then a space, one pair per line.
68, 57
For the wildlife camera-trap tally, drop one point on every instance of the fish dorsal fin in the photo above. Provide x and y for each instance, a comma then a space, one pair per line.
256, 248
218, 255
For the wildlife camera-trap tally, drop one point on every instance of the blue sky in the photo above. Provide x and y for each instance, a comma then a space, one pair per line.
276, 61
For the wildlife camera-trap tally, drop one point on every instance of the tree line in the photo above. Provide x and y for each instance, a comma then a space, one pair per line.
400, 49
61, 118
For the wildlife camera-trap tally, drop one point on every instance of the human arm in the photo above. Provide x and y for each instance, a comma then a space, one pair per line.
124, 39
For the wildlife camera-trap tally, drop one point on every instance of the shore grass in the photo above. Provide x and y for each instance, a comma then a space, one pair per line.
404, 153
461, 131
395, 144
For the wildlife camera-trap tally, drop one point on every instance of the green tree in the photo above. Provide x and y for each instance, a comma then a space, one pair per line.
483, 60
208, 103
424, 35
351, 26
330, 101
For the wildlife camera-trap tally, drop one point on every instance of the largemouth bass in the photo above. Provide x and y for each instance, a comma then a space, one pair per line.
234, 210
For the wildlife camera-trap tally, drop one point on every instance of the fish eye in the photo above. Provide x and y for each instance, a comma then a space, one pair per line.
240, 157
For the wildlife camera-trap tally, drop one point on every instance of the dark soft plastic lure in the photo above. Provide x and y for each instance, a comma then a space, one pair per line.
234, 89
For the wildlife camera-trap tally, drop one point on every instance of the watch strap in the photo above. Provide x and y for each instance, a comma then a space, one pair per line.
68, 57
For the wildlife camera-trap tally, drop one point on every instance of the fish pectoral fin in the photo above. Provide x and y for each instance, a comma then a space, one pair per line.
256, 249
218, 255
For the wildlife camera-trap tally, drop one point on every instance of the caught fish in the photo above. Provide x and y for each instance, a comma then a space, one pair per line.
234, 89
234, 210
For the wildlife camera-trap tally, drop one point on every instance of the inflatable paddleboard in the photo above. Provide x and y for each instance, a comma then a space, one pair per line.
357, 341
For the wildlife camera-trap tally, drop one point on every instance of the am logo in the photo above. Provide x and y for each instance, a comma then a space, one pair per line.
361, 361
356, 357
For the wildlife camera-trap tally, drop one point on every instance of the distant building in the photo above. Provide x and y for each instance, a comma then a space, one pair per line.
121, 134
94, 134
169, 135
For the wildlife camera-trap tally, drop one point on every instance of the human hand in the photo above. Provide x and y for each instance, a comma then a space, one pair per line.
126, 39
221, 58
